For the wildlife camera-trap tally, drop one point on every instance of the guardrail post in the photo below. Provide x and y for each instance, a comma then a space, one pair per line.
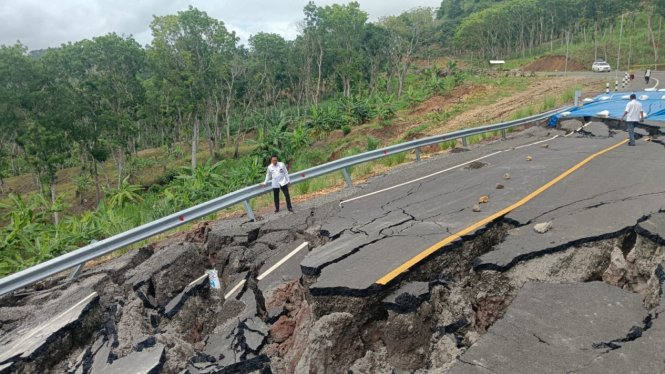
578, 94
464, 142
76, 272
248, 209
503, 134
347, 177
417, 154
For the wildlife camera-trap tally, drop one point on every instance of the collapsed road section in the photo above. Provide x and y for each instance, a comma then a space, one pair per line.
569, 280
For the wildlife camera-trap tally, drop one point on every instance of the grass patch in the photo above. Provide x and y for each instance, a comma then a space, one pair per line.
548, 103
415, 131
372, 143
363, 170
450, 144
526, 111
392, 160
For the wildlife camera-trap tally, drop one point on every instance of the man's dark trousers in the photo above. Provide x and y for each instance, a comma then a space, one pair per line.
285, 190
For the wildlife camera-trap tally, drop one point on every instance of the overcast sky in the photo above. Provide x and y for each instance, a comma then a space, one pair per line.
49, 23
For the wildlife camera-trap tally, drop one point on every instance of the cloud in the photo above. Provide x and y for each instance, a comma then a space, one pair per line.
41, 24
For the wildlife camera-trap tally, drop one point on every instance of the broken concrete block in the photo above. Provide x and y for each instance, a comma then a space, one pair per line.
615, 273
476, 208
483, 199
149, 361
36, 341
560, 327
144, 344
6, 368
174, 306
542, 227
101, 359
408, 297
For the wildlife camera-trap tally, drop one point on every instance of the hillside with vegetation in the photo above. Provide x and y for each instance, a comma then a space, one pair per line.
99, 136
583, 30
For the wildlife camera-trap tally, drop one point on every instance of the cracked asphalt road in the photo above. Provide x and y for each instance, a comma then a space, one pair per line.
153, 311
376, 234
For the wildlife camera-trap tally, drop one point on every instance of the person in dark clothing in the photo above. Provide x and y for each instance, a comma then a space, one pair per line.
279, 175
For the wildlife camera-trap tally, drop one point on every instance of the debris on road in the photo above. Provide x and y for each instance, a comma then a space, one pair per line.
499, 186
483, 199
476, 208
542, 227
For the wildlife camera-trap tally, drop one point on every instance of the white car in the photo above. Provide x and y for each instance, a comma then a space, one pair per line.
600, 66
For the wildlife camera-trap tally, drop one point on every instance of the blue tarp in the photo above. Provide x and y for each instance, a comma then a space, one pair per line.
613, 106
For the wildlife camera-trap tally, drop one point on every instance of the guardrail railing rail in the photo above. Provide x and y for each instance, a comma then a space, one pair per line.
77, 258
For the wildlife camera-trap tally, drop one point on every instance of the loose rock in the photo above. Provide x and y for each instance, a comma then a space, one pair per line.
499, 186
542, 227
529, 158
282, 329
476, 208
506, 176
483, 199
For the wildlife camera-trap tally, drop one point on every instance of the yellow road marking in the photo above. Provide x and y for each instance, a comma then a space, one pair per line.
458, 235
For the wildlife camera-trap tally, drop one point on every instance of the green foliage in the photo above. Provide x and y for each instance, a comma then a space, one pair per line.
29, 237
415, 131
509, 27
303, 187
125, 193
276, 139
346, 130
451, 144
524, 112
392, 160
363, 170
372, 143
549, 103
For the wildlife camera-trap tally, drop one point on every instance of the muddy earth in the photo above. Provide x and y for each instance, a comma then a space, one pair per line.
580, 293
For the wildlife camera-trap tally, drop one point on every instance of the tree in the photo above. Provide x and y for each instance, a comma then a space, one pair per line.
408, 32
18, 83
183, 57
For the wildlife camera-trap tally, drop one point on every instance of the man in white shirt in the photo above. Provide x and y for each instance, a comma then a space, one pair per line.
633, 114
280, 180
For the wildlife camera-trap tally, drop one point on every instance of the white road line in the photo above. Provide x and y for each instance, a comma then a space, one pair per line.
270, 270
529, 145
234, 289
581, 127
278, 264
657, 83
36, 331
197, 280
443, 171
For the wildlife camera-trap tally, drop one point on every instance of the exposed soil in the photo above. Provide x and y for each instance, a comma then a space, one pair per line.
503, 108
553, 63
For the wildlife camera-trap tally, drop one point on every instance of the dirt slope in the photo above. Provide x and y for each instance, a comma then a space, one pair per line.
504, 108
554, 63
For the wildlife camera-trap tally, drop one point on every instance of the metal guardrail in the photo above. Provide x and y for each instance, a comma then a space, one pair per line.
76, 259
